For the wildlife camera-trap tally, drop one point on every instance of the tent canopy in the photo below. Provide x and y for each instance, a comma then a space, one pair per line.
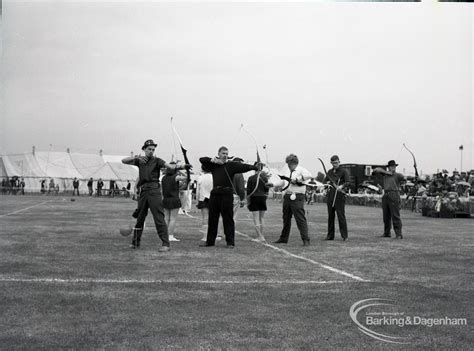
63, 167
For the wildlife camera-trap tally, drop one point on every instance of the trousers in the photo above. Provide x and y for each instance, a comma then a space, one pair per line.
221, 205
294, 208
339, 209
391, 213
152, 199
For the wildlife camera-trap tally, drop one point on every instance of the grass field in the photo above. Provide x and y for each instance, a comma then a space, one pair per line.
69, 280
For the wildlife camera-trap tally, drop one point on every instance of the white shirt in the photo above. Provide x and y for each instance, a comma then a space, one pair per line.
301, 174
204, 186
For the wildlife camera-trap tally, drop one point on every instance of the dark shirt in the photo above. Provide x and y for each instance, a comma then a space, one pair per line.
222, 175
170, 187
149, 172
262, 189
75, 183
392, 182
89, 183
337, 177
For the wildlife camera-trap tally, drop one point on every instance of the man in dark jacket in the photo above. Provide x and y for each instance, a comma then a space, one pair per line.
338, 179
391, 199
75, 186
221, 201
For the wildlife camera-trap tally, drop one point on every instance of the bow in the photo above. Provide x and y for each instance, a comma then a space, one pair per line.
288, 179
416, 175
332, 183
184, 151
324, 167
258, 160
414, 162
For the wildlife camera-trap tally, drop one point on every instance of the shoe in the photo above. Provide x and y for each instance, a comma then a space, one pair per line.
344, 239
164, 249
133, 246
399, 236
205, 244
230, 246
280, 241
328, 238
385, 236
305, 242
172, 238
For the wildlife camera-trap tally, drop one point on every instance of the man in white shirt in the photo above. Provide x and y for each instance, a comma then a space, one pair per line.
294, 191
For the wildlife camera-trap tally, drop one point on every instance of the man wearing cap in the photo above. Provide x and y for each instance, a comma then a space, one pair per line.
221, 201
391, 199
293, 199
338, 179
150, 197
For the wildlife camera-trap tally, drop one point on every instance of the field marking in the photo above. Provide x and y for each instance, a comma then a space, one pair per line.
165, 281
325, 266
332, 269
24, 209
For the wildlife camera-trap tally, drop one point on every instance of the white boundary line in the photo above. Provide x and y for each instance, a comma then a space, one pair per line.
58, 280
165, 281
24, 209
332, 269
325, 266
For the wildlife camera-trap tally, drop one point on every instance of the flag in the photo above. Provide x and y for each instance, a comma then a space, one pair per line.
461, 147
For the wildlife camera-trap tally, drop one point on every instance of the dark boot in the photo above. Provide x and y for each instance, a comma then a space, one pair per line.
137, 235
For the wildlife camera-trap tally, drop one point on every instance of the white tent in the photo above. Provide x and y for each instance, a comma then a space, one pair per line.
86, 164
63, 167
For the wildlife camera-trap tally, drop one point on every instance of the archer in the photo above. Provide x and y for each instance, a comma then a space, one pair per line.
221, 201
391, 199
337, 178
149, 168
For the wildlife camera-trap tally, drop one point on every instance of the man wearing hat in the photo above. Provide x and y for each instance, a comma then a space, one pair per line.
149, 168
391, 199
338, 179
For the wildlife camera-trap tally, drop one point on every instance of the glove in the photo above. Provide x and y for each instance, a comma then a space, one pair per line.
258, 166
135, 213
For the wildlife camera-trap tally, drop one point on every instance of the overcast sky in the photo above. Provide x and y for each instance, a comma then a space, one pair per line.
314, 79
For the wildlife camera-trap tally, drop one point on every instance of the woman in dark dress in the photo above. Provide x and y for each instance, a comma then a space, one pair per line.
257, 201
171, 201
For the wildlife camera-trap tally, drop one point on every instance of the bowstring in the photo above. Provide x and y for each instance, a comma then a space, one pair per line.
399, 152
174, 142
236, 136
